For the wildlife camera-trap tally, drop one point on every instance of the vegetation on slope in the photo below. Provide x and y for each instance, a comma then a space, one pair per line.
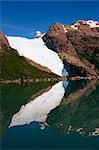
14, 66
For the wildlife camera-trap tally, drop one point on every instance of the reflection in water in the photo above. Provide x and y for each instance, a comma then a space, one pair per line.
66, 108
78, 112
38, 109
13, 96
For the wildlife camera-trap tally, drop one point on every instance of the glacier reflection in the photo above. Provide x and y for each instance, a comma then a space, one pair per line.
38, 109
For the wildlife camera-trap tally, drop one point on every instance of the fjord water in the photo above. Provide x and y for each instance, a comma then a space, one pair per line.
50, 115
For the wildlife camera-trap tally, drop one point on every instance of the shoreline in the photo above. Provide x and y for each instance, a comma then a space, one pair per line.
21, 81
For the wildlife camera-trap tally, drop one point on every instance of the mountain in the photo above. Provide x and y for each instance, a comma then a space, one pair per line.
14, 66
77, 45
36, 51
64, 50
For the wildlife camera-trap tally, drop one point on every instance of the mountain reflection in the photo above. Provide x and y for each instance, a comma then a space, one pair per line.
79, 110
66, 106
13, 96
38, 108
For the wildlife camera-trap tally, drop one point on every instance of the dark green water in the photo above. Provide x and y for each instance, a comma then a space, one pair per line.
62, 115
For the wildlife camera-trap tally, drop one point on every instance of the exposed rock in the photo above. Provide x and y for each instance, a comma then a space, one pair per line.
77, 45
3, 40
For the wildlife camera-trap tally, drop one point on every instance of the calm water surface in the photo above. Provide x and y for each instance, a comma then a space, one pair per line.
63, 115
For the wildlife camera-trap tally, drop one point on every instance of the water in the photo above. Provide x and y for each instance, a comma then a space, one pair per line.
63, 115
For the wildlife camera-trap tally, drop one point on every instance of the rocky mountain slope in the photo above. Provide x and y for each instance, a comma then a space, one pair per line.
64, 49
13, 66
77, 45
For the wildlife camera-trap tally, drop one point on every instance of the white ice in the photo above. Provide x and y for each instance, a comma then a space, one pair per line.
37, 51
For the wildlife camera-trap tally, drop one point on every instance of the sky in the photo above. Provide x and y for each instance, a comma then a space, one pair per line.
24, 18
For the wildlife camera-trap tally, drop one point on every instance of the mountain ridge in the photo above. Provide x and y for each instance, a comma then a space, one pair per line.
77, 45
63, 50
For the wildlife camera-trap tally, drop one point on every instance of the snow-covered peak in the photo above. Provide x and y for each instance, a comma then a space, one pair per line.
36, 50
92, 23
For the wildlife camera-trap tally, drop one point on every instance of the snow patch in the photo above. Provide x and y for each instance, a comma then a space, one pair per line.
64, 29
74, 27
38, 34
37, 51
91, 23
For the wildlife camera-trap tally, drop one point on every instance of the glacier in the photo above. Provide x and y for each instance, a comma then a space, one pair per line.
36, 50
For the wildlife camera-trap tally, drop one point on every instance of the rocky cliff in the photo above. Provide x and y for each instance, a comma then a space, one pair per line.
77, 45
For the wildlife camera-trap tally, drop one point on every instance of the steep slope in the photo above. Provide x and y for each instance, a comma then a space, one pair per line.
37, 51
77, 45
14, 66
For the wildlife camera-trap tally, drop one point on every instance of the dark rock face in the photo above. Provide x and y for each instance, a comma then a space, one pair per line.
77, 45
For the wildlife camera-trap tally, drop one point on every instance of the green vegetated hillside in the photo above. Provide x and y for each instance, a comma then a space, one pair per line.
14, 66
13, 96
